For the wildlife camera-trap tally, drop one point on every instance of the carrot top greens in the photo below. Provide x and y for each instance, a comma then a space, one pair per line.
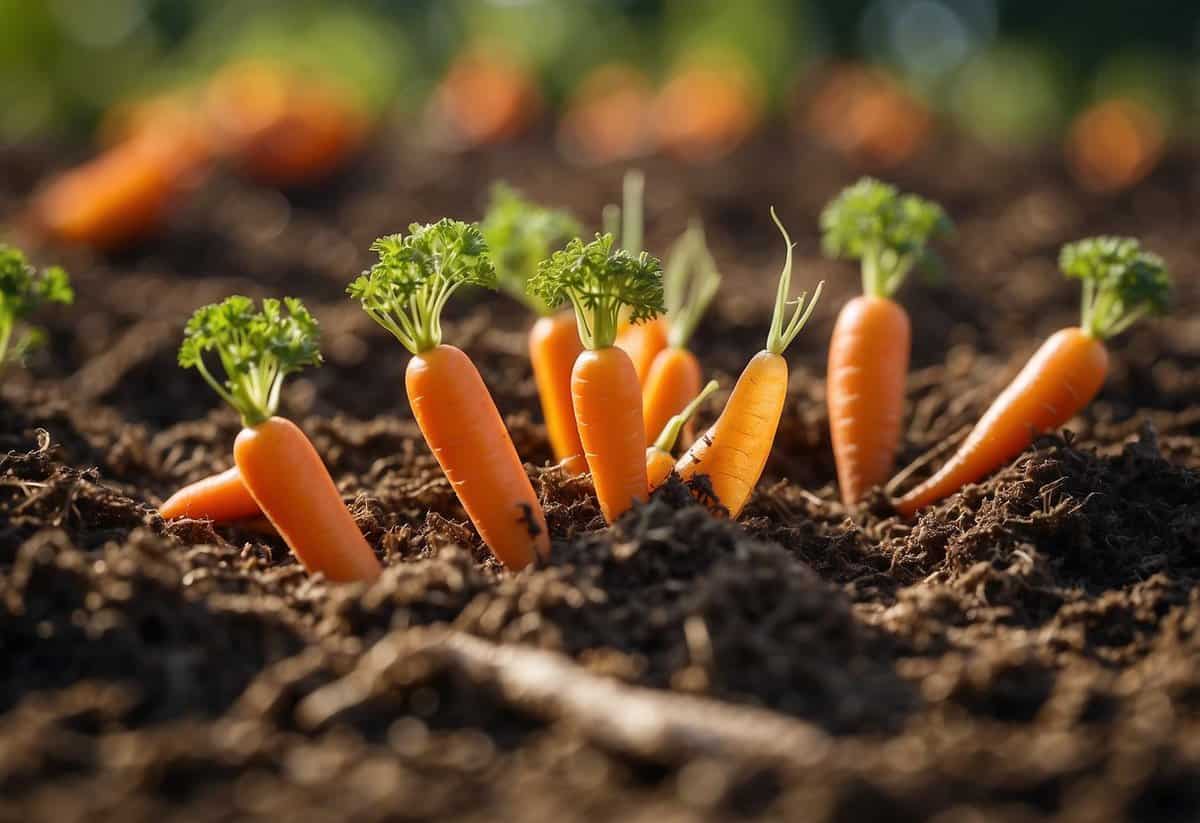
782, 331
1121, 282
256, 350
690, 282
520, 234
599, 282
417, 273
887, 231
22, 290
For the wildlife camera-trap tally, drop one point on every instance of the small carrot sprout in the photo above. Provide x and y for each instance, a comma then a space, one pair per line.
670, 433
520, 234
406, 290
782, 334
887, 231
22, 290
599, 283
1121, 282
690, 282
256, 350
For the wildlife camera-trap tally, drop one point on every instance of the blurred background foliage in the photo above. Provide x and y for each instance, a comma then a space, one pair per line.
1008, 71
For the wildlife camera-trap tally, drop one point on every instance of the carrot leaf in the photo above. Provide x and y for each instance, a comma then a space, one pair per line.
599, 282
22, 290
407, 289
256, 349
1121, 282
690, 282
519, 235
783, 328
888, 232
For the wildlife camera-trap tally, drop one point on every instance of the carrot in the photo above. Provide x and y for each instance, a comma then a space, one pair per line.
221, 497
405, 293
281, 127
23, 290
734, 451
659, 460
869, 351
599, 283
282, 471
520, 234
690, 282
119, 196
1121, 284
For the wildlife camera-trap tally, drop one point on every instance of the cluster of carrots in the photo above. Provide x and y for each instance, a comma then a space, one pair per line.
617, 382
269, 122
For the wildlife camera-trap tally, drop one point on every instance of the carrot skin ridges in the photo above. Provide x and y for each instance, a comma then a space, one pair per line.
1057, 383
673, 380
291, 485
868, 364
553, 348
642, 342
221, 498
659, 465
608, 411
463, 428
734, 451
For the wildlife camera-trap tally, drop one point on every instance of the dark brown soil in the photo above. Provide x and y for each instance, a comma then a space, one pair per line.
1028, 650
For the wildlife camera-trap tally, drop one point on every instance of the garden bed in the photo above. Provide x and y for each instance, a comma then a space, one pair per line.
1028, 647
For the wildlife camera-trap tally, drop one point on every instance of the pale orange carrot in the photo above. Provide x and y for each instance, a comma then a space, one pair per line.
1121, 284
405, 293
868, 353
734, 451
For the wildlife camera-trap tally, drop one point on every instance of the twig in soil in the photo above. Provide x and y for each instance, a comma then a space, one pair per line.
925, 459
657, 726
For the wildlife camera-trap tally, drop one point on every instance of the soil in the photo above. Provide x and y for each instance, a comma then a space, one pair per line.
1027, 650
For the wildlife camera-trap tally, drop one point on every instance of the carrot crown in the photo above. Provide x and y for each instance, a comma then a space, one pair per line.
670, 433
256, 350
23, 289
690, 281
417, 273
520, 234
887, 231
1121, 283
599, 283
783, 332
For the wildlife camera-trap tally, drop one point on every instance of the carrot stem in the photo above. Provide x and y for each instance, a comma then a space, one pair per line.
780, 335
670, 433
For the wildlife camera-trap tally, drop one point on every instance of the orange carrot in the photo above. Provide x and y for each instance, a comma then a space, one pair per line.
869, 350
607, 398
121, 195
277, 462
282, 128
487, 96
734, 451
643, 342
520, 234
1121, 284
405, 293
220, 497
659, 460
690, 282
